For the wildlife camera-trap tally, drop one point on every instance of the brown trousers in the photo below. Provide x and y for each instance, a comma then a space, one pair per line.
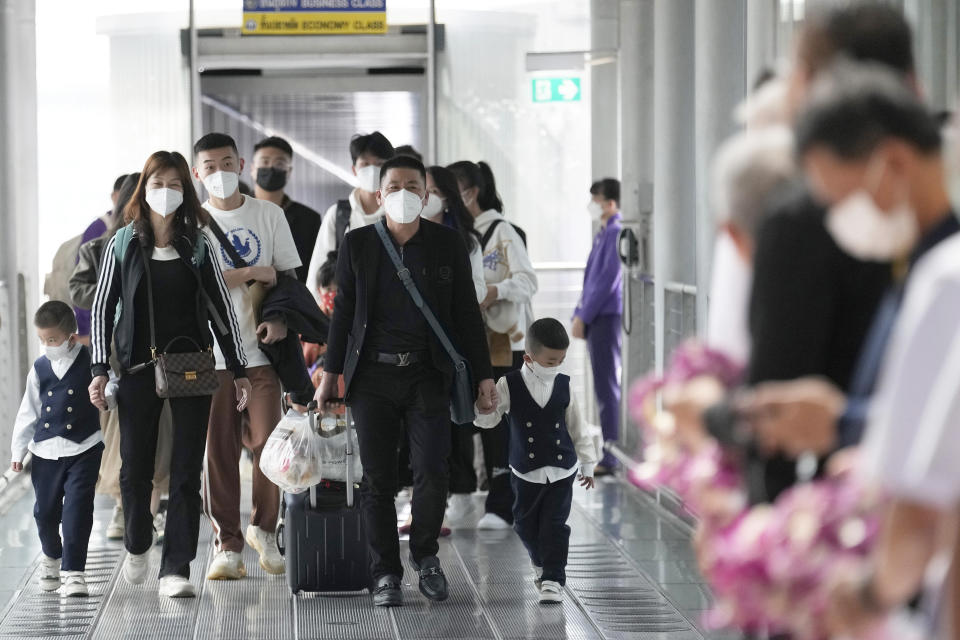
228, 433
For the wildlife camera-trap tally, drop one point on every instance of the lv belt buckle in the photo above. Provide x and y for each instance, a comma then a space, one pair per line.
403, 359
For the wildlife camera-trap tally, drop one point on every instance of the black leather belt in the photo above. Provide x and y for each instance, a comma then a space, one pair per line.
398, 359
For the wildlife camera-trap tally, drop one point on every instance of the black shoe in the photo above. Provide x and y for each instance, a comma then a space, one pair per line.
433, 583
387, 592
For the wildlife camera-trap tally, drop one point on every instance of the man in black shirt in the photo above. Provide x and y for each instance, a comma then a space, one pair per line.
396, 372
811, 304
270, 170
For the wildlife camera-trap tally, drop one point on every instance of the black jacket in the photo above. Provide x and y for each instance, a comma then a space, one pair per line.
118, 283
810, 310
448, 290
290, 300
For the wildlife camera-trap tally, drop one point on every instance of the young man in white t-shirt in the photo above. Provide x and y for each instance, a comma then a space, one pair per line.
259, 235
368, 153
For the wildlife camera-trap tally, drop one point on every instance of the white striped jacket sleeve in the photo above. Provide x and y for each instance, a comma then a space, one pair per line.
104, 309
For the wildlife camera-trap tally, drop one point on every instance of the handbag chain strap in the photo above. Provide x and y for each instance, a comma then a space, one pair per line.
411, 287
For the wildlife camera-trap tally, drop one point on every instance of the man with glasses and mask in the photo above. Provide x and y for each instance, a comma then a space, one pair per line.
367, 153
397, 375
271, 169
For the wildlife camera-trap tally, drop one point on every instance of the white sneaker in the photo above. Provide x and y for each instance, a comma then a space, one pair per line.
49, 574
537, 576
74, 584
175, 586
265, 544
459, 509
493, 521
159, 526
551, 592
116, 527
226, 565
136, 567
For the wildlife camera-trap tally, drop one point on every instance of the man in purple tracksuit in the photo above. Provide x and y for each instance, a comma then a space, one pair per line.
597, 318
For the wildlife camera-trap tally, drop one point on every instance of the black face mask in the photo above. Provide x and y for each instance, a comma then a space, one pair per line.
270, 179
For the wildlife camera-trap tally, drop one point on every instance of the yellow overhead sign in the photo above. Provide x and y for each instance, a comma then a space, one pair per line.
314, 17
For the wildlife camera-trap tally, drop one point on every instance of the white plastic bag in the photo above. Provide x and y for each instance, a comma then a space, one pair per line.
333, 448
291, 459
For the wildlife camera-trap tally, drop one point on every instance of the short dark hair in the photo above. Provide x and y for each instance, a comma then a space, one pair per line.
609, 188
55, 315
274, 142
408, 150
376, 144
546, 333
853, 107
403, 162
119, 182
863, 31
215, 141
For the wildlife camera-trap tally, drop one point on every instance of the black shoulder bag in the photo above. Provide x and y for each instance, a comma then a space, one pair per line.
180, 375
461, 395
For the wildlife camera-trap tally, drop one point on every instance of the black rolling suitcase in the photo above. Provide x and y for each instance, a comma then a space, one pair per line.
323, 535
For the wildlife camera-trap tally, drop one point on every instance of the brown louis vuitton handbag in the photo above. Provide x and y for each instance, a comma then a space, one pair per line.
187, 374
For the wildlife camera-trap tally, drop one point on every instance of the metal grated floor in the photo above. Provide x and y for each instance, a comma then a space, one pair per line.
630, 576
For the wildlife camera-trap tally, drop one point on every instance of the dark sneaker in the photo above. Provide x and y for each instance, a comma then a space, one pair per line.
387, 592
433, 583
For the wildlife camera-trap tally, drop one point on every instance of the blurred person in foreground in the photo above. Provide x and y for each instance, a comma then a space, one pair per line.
872, 150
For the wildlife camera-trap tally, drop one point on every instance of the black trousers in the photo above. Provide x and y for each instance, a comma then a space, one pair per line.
64, 490
496, 456
139, 411
540, 519
382, 398
463, 477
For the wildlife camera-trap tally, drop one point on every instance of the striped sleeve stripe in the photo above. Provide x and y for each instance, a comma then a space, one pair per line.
227, 301
104, 285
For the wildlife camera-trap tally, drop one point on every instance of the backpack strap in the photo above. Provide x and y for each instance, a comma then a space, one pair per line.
122, 242
521, 233
489, 233
341, 222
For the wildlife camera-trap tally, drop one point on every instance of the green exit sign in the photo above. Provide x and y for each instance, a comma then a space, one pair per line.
556, 89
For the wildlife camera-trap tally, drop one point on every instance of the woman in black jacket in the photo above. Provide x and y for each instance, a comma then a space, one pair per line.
165, 218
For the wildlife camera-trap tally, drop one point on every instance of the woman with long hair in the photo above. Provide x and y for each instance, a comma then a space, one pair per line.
510, 285
163, 242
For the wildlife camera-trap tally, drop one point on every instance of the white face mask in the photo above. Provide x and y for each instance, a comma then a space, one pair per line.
546, 374
466, 201
595, 209
58, 352
164, 201
434, 206
368, 178
403, 206
865, 231
222, 184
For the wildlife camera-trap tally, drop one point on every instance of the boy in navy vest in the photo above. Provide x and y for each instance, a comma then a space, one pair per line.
60, 427
549, 443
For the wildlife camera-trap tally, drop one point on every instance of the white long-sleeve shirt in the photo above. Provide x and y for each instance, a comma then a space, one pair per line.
507, 266
587, 439
25, 425
327, 236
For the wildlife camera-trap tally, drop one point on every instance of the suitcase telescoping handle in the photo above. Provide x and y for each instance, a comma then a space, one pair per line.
312, 410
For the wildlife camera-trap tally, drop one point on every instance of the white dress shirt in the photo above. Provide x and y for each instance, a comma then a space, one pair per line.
912, 443
587, 439
26, 422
